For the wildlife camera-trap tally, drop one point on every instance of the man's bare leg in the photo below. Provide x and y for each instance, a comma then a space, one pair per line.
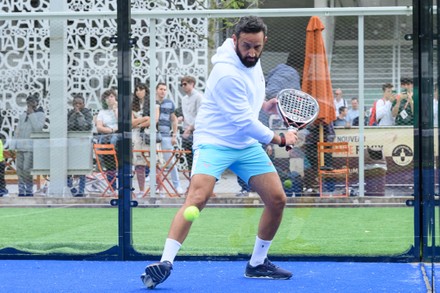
269, 187
200, 190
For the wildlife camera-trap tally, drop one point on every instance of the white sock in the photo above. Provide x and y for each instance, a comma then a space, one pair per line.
170, 250
259, 254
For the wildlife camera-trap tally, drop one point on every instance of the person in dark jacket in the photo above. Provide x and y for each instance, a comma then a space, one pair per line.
79, 119
32, 120
281, 77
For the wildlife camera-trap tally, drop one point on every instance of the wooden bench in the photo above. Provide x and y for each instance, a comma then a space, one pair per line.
10, 171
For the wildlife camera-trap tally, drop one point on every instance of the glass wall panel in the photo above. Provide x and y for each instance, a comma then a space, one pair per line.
371, 219
51, 65
54, 70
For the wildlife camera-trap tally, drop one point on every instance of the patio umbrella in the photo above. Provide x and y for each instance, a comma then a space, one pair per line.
316, 76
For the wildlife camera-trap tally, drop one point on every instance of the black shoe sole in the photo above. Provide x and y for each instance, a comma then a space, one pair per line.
267, 277
148, 281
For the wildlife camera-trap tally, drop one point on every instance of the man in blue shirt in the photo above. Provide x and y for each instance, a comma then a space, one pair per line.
353, 112
341, 120
167, 126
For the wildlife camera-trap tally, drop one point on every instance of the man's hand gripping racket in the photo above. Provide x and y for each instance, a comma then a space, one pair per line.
297, 109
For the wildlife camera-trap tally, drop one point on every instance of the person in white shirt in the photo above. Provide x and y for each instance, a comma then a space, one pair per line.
107, 119
107, 127
383, 106
353, 112
435, 105
228, 135
339, 101
190, 106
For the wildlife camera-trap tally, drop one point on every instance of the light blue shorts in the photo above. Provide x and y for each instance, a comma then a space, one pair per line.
214, 160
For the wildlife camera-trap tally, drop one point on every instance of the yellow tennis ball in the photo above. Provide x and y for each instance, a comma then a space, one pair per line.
287, 183
191, 213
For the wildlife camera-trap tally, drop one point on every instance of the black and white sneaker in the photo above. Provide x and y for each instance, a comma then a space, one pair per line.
267, 270
242, 193
156, 273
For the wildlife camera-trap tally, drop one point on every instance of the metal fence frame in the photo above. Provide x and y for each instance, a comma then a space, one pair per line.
124, 251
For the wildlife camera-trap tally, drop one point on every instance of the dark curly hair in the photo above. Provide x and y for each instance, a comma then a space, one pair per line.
136, 104
105, 95
250, 24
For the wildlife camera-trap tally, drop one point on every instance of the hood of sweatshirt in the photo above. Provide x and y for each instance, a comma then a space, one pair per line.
233, 98
226, 54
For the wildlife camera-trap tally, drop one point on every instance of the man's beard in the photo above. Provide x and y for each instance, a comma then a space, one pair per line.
247, 61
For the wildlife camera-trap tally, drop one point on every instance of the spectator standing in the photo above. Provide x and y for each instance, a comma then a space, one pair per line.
310, 148
339, 101
435, 105
383, 106
79, 119
341, 119
141, 122
406, 86
32, 120
403, 105
353, 112
107, 128
244, 188
295, 177
227, 135
167, 126
190, 105
281, 77
3, 190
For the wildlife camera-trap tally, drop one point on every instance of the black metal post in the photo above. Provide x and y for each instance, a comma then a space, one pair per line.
423, 127
124, 126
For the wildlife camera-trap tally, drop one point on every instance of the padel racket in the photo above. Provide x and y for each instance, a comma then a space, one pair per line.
297, 109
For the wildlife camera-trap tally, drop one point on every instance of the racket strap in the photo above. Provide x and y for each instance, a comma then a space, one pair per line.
283, 140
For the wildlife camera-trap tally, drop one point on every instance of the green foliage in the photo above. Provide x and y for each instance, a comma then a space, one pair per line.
230, 4
220, 24
233, 4
223, 4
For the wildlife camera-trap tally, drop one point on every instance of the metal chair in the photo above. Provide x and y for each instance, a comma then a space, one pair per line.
11, 171
163, 170
333, 151
107, 164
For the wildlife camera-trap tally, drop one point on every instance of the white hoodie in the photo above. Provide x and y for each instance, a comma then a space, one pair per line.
234, 96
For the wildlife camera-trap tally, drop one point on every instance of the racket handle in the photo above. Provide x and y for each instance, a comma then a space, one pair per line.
290, 128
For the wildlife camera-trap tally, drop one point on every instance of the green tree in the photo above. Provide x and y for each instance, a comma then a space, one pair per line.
219, 25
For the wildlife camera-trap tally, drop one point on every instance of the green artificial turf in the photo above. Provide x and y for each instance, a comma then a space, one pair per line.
218, 231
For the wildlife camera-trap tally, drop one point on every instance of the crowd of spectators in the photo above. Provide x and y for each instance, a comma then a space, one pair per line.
393, 108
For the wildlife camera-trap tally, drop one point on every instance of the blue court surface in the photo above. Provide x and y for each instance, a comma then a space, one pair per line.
212, 276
